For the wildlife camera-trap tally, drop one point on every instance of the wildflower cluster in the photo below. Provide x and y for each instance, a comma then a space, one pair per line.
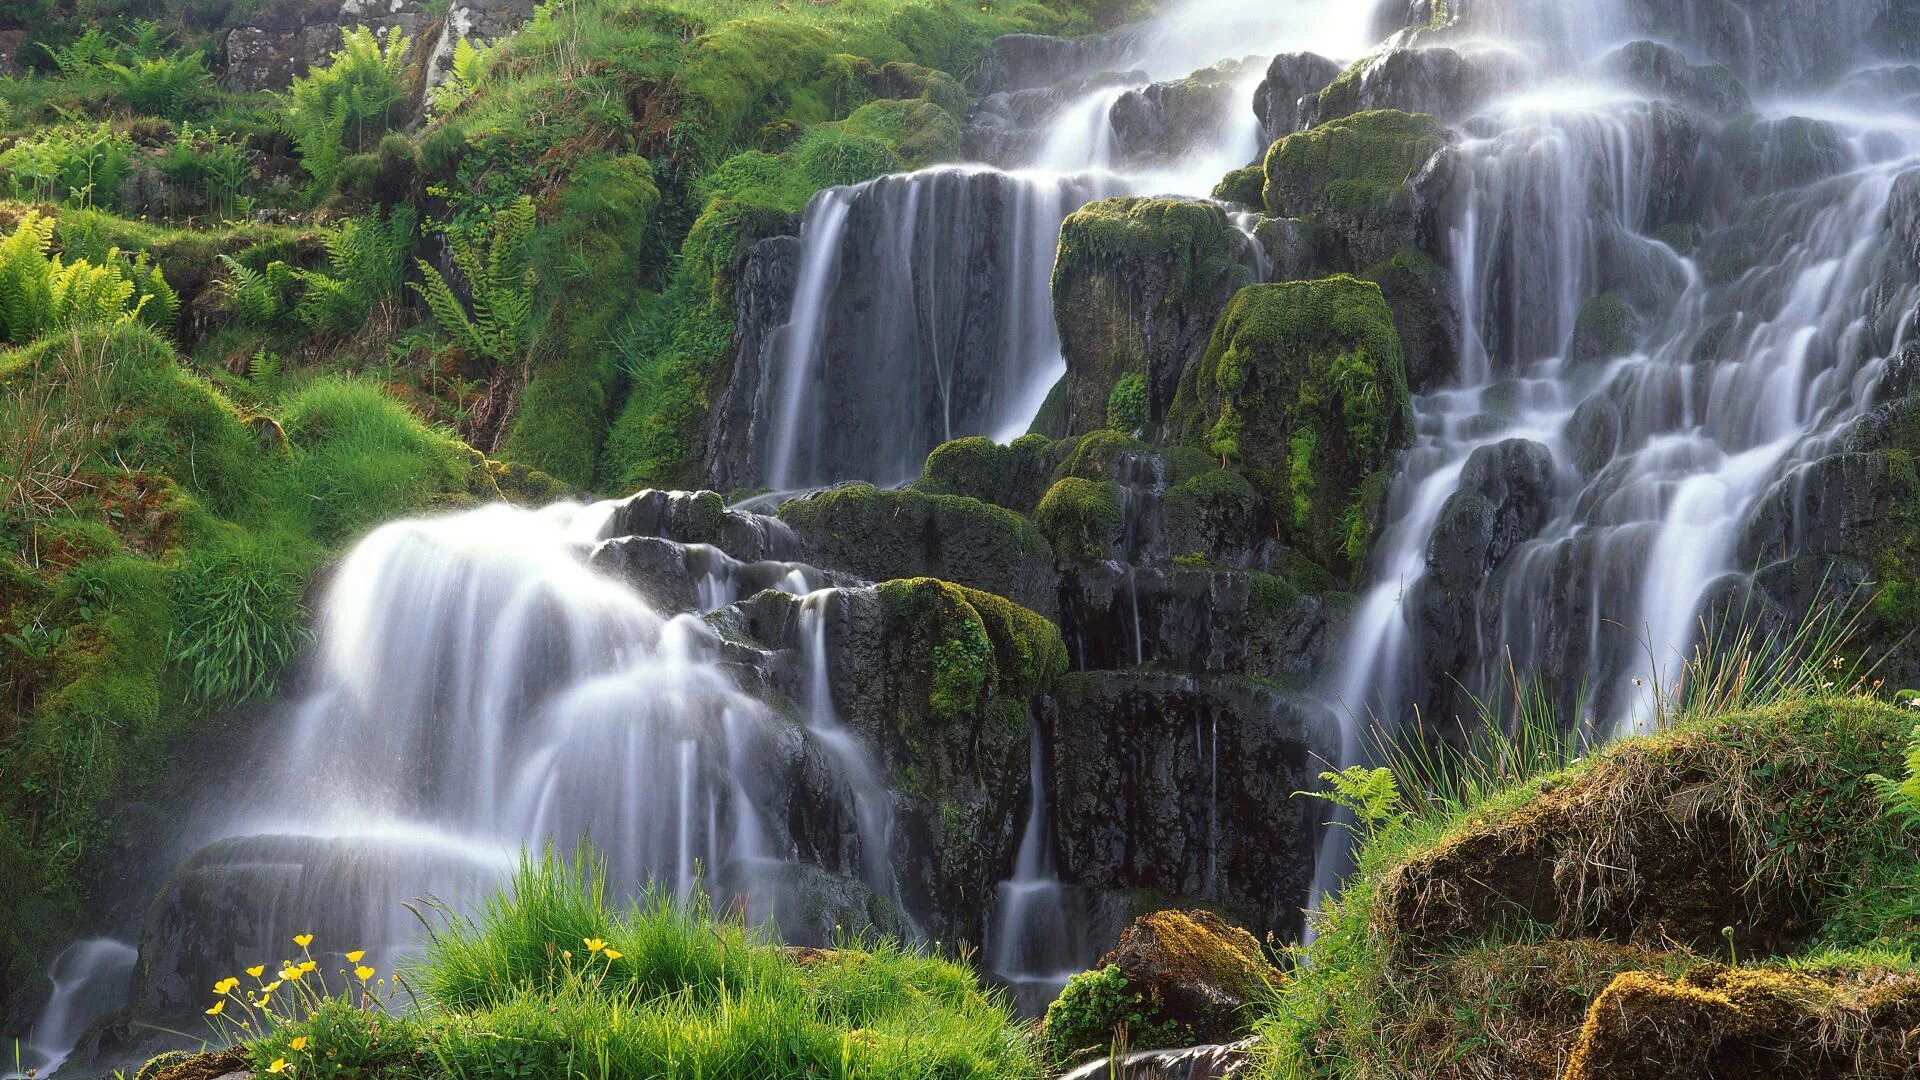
297, 992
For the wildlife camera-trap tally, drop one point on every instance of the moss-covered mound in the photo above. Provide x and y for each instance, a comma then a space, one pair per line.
1590, 916
1175, 978
1082, 519
881, 534
1137, 284
1013, 475
1354, 179
1303, 385
1715, 1021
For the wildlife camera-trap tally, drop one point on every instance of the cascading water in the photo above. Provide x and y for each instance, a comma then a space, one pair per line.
1038, 938
1756, 351
922, 307
89, 977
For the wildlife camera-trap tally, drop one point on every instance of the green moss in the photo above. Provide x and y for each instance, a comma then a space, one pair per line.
1191, 242
1013, 475
981, 647
1097, 1011
1127, 404
1303, 384
1351, 163
1602, 331
1097, 455
920, 133
1243, 186
1082, 519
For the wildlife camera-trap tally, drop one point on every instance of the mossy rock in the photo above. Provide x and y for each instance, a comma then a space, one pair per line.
1602, 331
1355, 178
881, 534
1243, 186
1101, 455
1716, 1021
1012, 475
1137, 284
1082, 519
1175, 978
1303, 386
921, 132
1423, 298
1216, 515
161, 1063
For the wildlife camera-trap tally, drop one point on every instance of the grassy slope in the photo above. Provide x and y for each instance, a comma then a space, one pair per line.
1404, 980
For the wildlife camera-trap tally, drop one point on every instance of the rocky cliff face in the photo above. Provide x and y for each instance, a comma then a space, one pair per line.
285, 39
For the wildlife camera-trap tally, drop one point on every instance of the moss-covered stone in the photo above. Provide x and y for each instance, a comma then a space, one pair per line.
921, 132
1215, 514
1244, 186
1175, 978
1602, 331
1136, 285
1013, 475
1082, 519
1354, 178
881, 534
1717, 1021
1303, 386
1421, 294
1100, 455
1352, 163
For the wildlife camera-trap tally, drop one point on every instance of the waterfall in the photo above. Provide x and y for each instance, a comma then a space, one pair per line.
922, 307
1037, 941
1756, 292
89, 977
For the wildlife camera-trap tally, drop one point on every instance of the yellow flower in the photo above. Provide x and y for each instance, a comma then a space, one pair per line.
256, 969
594, 944
308, 965
271, 987
299, 1043
612, 954
290, 972
567, 954
364, 972
279, 1065
217, 1006
225, 986
354, 956
303, 940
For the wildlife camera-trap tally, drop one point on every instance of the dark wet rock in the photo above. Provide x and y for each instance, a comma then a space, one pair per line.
1152, 770
1503, 499
702, 517
1424, 299
1199, 619
880, 534
1371, 183
1774, 155
939, 679
1602, 331
1137, 286
1594, 432
1848, 503
269, 54
1901, 376
1165, 121
1262, 398
1282, 100
1027, 61
676, 577
1290, 244
1661, 71
1435, 80
764, 282
1008, 128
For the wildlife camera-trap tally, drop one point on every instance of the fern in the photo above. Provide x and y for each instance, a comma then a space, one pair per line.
1902, 797
366, 265
88, 52
164, 86
492, 259
40, 292
468, 67
353, 99
259, 298
1371, 795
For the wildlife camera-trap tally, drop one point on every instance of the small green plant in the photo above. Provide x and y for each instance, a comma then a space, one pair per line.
261, 383
210, 165
345, 105
259, 298
468, 67
366, 265
1127, 405
165, 86
40, 291
1097, 1011
76, 164
1902, 796
491, 257
1372, 796
239, 619
84, 55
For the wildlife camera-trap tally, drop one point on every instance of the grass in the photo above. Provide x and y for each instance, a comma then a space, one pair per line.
550, 978
1506, 881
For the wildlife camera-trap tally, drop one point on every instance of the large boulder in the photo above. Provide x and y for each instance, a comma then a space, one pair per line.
1013, 475
1444, 82
1009, 127
881, 534
1151, 771
1425, 301
1137, 285
703, 517
1165, 121
1662, 71
1026, 61
1175, 978
1371, 184
1303, 384
1282, 101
